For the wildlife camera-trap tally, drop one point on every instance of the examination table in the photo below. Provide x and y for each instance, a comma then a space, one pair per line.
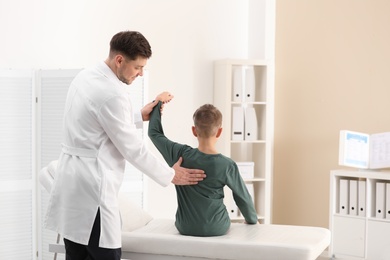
146, 238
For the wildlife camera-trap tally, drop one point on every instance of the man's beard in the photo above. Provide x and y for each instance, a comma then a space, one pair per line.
127, 82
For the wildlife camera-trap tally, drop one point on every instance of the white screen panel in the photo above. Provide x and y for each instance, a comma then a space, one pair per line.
16, 225
15, 125
16, 165
54, 86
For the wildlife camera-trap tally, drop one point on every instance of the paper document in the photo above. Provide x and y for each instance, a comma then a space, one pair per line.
364, 151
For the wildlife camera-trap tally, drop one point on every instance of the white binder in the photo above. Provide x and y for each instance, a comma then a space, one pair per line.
380, 200
238, 124
362, 198
250, 124
353, 197
344, 193
237, 84
249, 90
232, 207
388, 200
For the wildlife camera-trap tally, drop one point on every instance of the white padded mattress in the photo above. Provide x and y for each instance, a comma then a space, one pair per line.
242, 242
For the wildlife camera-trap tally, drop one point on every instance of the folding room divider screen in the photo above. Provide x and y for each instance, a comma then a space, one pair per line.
31, 110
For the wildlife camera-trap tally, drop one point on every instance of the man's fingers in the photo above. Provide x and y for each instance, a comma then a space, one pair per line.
196, 177
153, 103
196, 172
184, 178
192, 179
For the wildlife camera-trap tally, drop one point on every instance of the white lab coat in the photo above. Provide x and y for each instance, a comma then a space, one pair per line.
99, 135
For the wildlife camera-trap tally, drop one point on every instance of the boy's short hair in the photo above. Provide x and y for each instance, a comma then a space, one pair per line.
131, 44
207, 120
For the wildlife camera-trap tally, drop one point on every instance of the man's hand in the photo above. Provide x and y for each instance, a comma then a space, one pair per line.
184, 176
147, 109
164, 97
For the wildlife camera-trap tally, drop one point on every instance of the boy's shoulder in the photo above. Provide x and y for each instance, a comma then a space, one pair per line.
227, 158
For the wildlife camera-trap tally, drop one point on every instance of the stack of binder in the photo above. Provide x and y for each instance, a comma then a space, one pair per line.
244, 119
243, 84
382, 200
244, 124
352, 197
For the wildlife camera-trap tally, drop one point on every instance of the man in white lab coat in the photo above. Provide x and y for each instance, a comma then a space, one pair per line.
99, 136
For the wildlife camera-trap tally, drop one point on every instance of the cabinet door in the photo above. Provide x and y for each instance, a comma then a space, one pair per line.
348, 236
378, 240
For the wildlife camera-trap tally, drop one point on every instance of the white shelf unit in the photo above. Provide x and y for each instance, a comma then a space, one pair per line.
260, 149
363, 235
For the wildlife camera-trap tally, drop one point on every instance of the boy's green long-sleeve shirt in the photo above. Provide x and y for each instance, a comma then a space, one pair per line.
201, 211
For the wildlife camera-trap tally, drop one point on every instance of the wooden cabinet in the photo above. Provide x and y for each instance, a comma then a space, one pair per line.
243, 92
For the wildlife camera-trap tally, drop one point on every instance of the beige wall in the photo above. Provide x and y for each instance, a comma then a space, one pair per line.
332, 73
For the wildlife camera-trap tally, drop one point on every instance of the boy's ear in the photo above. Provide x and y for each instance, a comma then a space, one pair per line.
219, 132
194, 131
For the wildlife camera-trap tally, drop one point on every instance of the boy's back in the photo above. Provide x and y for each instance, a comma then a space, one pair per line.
201, 211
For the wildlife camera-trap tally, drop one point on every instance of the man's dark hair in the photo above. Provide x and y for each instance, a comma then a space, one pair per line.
131, 44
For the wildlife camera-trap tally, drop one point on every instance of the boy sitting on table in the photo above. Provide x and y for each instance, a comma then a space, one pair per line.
201, 211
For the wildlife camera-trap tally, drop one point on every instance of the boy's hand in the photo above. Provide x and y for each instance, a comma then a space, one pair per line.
164, 97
